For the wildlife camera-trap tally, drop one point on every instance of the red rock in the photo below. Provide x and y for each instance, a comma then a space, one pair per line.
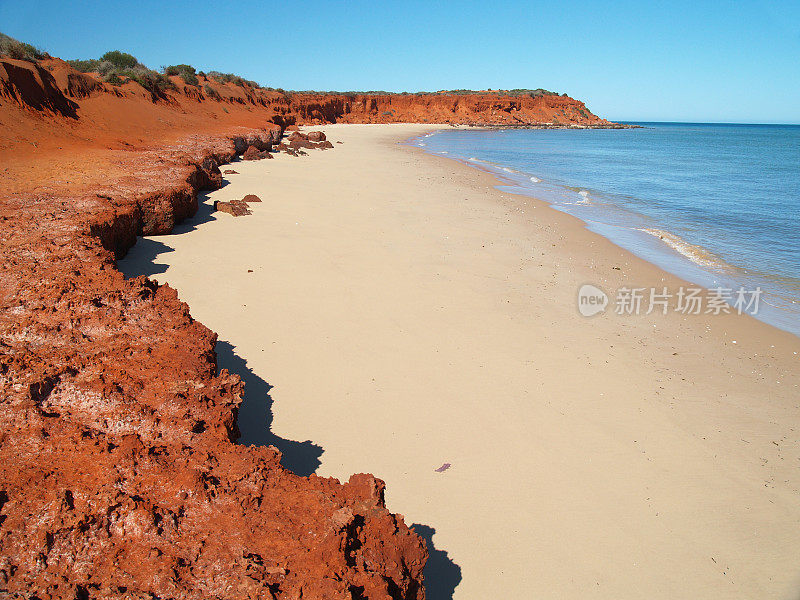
315, 139
260, 140
252, 153
230, 172
237, 208
251, 198
119, 477
33, 86
274, 135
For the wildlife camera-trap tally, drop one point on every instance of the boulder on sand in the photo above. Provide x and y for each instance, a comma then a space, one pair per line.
252, 153
237, 208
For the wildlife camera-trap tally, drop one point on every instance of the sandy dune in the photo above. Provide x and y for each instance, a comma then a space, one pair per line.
402, 314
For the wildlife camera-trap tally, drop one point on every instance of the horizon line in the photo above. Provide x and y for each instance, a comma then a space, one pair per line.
795, 124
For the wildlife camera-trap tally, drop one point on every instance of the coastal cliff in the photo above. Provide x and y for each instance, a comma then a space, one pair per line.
119, 472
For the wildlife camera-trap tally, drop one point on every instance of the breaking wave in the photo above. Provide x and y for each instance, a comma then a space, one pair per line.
696, 254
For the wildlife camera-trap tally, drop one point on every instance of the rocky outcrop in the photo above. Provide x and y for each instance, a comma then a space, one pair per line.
258, 140
314, 139
31, 86
236, 208
253, 153
492, 108
35, 86
74, 84
119, 475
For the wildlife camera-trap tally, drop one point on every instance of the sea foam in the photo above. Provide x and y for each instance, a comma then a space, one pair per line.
696, 254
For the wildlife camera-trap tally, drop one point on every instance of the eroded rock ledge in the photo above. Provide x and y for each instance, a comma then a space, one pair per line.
119, 475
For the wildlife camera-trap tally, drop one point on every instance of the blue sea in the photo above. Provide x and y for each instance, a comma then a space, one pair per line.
716, 204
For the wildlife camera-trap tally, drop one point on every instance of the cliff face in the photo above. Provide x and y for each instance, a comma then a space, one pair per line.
119, 475
54, 85
118, 472
483, 108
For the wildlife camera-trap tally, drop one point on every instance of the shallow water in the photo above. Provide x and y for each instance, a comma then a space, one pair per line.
716, 204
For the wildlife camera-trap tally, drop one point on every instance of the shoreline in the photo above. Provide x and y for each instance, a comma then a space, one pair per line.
572, 221
635, 473
536, 126
694, 265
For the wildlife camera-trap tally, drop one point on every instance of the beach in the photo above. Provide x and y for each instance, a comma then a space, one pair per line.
391, 312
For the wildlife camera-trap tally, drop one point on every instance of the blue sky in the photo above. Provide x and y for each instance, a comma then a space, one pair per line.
681, 61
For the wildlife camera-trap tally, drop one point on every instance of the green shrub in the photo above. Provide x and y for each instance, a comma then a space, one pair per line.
85, 66
153, 82
121, 60
20, 50
118, 67
187, 73
458, 92
115, 79
231, 78
211, 92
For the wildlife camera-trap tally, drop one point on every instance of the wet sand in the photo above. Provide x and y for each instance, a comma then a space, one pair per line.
402, 314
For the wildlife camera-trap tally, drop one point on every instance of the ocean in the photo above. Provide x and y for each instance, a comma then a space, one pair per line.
716, 204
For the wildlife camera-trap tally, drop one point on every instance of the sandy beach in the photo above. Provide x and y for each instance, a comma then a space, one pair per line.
392, 312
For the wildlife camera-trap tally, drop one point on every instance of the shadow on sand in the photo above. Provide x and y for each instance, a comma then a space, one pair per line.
141, 259
442, 575
255, 416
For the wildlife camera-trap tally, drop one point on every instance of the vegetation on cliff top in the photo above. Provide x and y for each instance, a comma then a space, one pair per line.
20, 50
186, 72
231, 78
118, 67
460, 92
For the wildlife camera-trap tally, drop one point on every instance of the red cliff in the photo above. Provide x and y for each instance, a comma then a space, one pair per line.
119, 475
